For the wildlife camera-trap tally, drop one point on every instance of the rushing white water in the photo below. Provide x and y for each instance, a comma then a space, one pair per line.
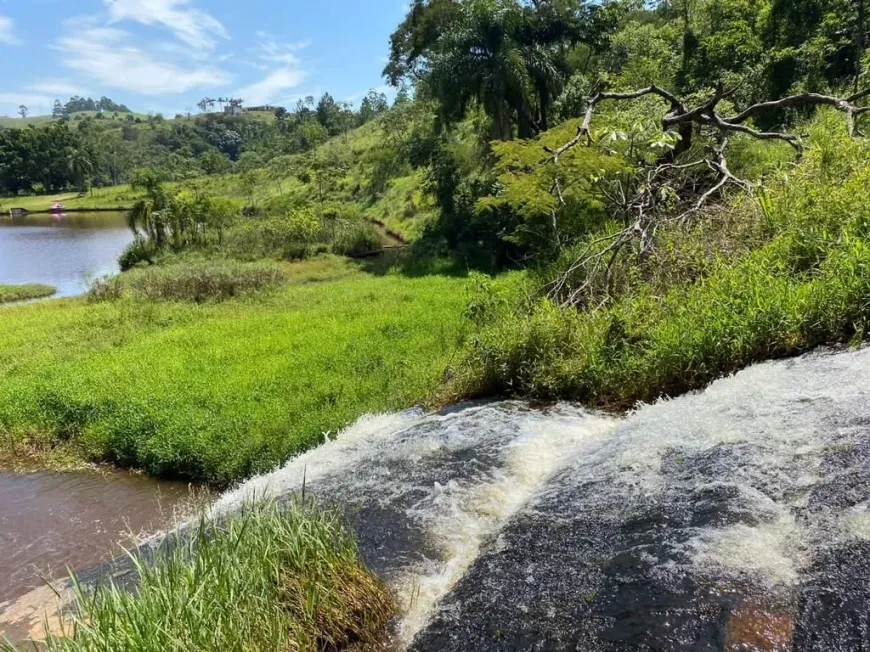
426, 492
735, 519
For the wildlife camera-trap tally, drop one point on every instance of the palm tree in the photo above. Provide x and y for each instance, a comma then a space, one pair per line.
480, 59
80, 165
149, 217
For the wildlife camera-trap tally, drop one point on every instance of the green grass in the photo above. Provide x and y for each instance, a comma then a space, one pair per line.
219, 391
112, 197
16, 122
267, 578
11, 293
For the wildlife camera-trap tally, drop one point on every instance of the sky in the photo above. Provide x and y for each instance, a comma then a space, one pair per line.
165, 55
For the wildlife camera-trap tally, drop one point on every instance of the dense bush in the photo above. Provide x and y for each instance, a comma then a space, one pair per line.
804, 284
196, 281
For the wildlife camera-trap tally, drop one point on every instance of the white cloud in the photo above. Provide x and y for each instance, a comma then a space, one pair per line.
194, 27
36, 104
7, 32
27, 99
107, 56
285, 71
57, 87
272, 88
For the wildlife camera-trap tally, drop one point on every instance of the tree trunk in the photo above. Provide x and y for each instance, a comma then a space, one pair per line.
545, 109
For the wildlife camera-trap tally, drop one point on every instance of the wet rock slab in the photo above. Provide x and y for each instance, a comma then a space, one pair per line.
736, 520
424, 492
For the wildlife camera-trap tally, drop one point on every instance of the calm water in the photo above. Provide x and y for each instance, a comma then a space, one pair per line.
63, 251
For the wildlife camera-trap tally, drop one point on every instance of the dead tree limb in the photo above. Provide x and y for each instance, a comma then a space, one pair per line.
663, 196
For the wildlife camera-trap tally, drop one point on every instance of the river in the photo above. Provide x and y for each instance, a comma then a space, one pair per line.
50, 522
735, 519
65, 251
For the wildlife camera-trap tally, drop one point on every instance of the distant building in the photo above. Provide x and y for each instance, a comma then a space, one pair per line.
237, 109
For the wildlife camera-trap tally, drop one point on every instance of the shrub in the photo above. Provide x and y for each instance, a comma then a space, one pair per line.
356, 239
137, 252
783, 278
290, 237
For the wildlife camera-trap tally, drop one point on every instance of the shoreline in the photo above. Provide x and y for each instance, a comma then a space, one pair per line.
67, 211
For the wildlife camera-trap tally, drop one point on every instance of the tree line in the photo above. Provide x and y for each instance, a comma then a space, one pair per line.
83, 151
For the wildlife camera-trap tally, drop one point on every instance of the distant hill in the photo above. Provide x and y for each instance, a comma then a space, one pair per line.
39, 120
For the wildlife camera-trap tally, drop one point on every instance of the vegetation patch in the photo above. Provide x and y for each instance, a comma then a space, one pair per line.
759, 280
218, 391
194, 280
11, 293
266, 578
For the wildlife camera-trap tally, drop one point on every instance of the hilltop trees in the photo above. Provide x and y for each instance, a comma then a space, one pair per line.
38, 157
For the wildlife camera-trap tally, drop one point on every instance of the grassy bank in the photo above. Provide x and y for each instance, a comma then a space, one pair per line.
751, 281
267, 579
11, 293
220, 390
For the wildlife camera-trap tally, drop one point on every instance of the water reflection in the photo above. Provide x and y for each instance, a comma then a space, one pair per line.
63, 250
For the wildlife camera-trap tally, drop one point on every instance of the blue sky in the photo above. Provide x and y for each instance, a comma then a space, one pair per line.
164, 55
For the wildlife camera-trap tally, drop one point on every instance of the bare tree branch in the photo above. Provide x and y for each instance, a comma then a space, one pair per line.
659, 196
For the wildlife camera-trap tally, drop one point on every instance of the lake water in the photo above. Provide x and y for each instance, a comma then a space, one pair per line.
63, 251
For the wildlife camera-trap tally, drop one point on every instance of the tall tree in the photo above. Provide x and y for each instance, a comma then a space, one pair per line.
507, 56
23, 111
81, 165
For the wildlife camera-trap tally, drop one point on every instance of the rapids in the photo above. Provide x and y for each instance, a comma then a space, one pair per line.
737, 518
734, 519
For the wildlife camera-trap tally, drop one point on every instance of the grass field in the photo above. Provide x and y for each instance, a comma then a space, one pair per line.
16, 122
219, 391
12, 293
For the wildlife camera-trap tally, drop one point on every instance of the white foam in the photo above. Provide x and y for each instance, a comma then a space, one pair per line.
771, 552
467, 517
347, 448
455, 518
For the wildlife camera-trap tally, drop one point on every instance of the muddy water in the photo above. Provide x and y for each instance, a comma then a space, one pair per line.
52, 521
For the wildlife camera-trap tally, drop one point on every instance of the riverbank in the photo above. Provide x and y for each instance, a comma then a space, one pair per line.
219, 390
265, 578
